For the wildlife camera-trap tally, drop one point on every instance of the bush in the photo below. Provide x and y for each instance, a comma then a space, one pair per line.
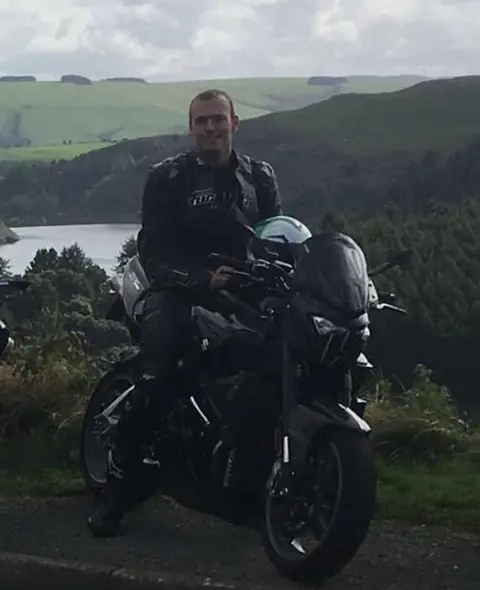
40, 392
75, 79
422, 424
18, 79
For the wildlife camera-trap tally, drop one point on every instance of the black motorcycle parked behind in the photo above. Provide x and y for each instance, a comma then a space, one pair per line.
8, 288
277, 439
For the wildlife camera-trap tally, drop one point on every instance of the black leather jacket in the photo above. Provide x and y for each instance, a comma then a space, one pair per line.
190, 209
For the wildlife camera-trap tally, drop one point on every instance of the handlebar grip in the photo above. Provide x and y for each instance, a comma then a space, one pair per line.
236, 263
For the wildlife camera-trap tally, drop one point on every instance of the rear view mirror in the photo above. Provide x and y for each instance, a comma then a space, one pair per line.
402, 258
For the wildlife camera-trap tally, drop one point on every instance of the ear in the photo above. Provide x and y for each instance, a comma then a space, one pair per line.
235, 123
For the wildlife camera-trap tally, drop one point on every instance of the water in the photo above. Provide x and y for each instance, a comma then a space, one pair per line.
101, 243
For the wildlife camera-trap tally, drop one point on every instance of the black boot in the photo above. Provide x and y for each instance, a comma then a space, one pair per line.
111, 507
124, 491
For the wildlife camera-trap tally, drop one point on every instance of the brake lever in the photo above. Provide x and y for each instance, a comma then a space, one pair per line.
386, 297
391, 307
249, 279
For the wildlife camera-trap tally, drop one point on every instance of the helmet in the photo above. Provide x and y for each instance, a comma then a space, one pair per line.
277, 237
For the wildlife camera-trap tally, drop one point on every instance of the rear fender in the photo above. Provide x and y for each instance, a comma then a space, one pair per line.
306, 423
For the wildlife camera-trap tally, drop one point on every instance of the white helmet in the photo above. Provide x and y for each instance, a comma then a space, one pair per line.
278, 237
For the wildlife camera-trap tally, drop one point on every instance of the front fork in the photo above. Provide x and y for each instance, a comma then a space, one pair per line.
300, 424
281, 480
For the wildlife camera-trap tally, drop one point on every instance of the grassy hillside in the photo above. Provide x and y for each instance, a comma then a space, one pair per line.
434, 114
48, 113
316, 167
48, 153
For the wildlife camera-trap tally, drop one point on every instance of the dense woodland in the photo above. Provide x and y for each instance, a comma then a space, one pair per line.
440, 290
428, 201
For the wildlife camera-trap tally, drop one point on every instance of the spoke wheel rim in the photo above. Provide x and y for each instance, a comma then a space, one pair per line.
287, 520
99, 434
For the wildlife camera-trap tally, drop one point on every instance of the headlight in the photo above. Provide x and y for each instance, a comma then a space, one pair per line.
323, 326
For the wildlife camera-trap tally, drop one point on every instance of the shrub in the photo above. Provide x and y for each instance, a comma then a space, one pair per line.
422, 424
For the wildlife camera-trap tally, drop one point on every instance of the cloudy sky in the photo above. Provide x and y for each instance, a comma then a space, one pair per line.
200, 39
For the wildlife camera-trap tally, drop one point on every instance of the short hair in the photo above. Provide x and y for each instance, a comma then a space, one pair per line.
210, 94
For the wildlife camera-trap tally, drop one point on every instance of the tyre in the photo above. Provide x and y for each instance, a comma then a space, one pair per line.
336, 503
97, 433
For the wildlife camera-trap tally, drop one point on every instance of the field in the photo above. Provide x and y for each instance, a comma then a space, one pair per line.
48, 153
49, 113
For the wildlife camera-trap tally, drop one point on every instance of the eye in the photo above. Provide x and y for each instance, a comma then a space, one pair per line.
203, 119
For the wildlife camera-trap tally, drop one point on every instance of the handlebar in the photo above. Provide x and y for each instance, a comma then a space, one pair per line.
259, 272
272, 277
235, 263
401, 259
9, 286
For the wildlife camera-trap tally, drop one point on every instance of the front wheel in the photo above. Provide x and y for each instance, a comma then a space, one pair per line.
335, 505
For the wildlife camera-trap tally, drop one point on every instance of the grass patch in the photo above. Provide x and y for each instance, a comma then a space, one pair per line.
427, 455
446, 493
45, 484
48, 153
58, 112
39, 465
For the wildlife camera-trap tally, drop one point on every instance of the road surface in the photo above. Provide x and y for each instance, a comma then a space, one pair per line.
172, 539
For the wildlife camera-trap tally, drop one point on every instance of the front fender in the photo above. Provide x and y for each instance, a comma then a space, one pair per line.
305, 419
306, 423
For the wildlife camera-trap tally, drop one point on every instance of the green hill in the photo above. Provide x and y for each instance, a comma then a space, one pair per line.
49, 113
316, 168
411, 181
433, 114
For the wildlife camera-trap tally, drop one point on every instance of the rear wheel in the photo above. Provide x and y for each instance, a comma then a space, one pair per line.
335, 507
97, 432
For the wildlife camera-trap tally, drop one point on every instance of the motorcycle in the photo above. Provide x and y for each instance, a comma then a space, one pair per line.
267, 429
7, 288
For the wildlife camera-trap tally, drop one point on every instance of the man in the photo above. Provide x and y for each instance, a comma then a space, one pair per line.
192, 204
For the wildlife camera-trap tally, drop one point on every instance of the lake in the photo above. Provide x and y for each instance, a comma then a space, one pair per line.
100, 242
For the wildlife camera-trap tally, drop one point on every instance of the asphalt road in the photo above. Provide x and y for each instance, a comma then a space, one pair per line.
173, 540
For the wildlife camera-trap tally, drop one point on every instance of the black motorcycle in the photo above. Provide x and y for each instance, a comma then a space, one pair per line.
8, 288
276, 439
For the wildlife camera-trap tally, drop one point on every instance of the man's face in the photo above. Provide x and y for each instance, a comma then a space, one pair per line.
212, 124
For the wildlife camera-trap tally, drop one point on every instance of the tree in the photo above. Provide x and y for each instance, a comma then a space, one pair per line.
4, 268
128, 250
43, 260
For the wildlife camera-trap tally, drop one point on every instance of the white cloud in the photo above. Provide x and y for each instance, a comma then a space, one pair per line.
182, 39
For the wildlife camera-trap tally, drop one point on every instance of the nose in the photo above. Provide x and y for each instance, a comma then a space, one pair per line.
209, 123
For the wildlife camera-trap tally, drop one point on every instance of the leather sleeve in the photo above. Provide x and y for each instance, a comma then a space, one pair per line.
159, 247
268, 192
